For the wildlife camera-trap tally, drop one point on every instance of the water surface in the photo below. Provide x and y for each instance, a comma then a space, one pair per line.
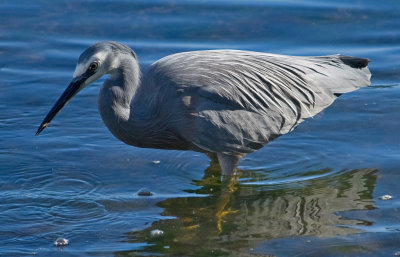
313, 192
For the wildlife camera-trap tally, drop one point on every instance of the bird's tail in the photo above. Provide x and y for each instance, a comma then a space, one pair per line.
354, 62
341, 74
355, 74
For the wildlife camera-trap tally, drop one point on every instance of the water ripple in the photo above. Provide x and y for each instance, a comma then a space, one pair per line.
77, 210
78, 183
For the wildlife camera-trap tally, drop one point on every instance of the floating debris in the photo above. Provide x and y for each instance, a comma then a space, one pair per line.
156, 233
397, 253
61, 242
144, 192
156, 162
386, 197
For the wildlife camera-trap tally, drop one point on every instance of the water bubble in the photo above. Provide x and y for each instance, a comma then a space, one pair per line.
156, 233
61, 242
144, 192
386, 197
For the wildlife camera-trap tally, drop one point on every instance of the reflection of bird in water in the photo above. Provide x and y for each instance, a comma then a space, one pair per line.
224, 103
319, 207
324, 207
221, 189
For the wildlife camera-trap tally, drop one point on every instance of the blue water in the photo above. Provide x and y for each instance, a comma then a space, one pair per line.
313, 192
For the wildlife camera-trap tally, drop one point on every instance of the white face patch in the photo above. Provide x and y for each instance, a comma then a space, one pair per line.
82, 67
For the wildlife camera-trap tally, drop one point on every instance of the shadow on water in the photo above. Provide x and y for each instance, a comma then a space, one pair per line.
230, 218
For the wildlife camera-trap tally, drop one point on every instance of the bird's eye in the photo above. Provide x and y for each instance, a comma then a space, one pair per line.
93, 66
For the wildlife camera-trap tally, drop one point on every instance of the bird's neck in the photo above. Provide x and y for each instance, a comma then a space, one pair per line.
115, 100
127, 109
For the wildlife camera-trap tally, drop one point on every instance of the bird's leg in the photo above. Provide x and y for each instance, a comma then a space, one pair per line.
228, 187
228, 163
222, 190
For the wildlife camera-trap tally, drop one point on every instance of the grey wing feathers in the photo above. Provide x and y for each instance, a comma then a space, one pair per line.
240, 100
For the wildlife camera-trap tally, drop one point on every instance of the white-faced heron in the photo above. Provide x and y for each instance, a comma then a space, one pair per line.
225, 103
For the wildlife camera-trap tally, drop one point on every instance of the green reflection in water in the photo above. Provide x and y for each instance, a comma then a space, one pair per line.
230, 218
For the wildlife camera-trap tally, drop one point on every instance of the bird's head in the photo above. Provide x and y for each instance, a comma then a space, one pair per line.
99, 59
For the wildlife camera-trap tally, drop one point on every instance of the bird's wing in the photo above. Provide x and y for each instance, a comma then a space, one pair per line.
236, 101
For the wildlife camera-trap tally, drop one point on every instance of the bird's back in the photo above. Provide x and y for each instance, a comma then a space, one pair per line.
236, 101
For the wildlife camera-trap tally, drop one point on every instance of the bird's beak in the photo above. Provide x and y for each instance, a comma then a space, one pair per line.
74, 87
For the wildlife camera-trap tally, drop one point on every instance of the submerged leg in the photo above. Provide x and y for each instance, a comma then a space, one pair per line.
228, 163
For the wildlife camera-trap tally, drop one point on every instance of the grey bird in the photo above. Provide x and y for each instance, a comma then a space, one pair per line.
224, 103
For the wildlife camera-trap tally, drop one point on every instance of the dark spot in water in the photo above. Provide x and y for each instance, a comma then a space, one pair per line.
61, 242
144, 192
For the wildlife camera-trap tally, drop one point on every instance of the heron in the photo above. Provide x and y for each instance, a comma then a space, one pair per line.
224, 103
